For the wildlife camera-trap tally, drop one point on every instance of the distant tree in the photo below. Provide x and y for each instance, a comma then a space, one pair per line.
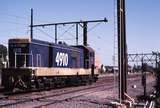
157, 70
157, 86
3, 50
3, 54
137, 68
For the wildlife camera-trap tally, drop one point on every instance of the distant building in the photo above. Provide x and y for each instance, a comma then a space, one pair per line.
98, 61
109, 69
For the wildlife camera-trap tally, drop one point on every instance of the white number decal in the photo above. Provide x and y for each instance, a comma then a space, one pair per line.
57, 59
61, 59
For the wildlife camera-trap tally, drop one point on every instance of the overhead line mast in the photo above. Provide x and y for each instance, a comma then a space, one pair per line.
31, 26
82, 24
65, 23
122, 49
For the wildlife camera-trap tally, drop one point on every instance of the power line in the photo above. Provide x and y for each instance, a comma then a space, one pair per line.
94, 26
67, 31
10, 22
21, 17
66, 39
10, 29
84, 26
15, 16
91, 28
44, 33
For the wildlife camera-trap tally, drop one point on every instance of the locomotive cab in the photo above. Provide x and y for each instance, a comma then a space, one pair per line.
88, 57
18, 53
17, 74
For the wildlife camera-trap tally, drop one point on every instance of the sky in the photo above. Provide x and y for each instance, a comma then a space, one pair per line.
142, 23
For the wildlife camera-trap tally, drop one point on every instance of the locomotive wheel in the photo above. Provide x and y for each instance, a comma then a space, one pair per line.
39, 84
20, 84
89, 80
10, 85
52, 84
63, 83
47, 83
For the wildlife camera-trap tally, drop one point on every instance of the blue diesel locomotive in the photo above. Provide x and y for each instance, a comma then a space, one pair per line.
36, 64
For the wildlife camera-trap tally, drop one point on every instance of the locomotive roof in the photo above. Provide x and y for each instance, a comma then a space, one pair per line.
36, 41
27, 40
39, 42
19, 40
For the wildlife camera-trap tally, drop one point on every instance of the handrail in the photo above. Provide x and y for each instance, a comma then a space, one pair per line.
25, 58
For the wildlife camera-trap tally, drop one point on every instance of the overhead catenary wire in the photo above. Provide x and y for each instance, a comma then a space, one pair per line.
92, 28
11, 29
41, 36
17, 23
67, 39
11, 20
45, 33
15, 16
27, 18
67, 31
51, 36
26, 25
84, 23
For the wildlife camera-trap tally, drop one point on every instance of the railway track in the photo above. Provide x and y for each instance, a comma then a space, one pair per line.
80, 93
58, 95
20, 100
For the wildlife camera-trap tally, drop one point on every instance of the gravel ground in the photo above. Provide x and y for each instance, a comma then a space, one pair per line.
101, 99
98, 97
